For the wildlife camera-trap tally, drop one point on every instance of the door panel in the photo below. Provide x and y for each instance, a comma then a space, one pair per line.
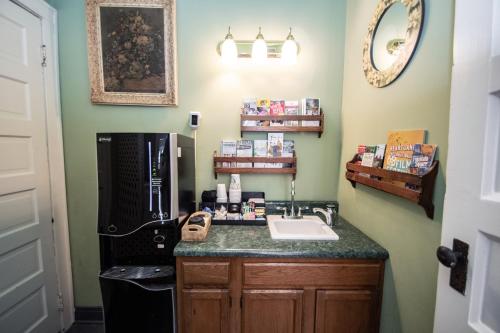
18, 210
272, 311
28, 293
472, 202
26, 315
13, 35
14, 108
205, 310
17, 155
20, 264
345, 311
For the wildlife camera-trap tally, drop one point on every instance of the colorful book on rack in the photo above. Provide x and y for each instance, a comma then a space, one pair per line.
378, 159
423, 156
228, 149
291, 109
277, 108
360, 150
244, 148
400, 158
249, 108
274, 148
259, 150
368, 158
263, 105
395, 141
288, 148
310, 107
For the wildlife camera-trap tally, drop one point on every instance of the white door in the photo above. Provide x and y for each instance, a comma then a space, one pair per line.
28, 293
472, 201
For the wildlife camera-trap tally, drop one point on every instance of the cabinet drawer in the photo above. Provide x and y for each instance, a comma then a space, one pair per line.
206, 273
314, 274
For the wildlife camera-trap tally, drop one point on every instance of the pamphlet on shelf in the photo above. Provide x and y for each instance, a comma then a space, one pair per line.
259, 150
277, 108
275, 148
311, 106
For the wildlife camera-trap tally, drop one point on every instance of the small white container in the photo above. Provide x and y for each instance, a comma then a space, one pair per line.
234, 196
221, 193
235, 189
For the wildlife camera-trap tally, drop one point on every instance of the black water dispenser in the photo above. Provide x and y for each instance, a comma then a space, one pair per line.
146, 191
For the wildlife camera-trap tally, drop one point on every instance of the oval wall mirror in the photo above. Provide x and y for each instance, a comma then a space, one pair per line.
393, 34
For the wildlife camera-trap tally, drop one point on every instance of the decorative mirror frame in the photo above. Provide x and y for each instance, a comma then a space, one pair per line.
382, 78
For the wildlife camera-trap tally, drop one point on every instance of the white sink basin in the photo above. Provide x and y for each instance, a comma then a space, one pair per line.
307, 228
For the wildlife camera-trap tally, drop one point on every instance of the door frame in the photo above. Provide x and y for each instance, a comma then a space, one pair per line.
48, 19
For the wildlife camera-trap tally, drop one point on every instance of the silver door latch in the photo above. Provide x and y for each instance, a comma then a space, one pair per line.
44, 55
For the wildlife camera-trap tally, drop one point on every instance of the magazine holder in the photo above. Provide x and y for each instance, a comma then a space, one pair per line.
292, 170
418, 189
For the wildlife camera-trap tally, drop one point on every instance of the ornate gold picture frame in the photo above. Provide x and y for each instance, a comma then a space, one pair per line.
132, 51
382, 78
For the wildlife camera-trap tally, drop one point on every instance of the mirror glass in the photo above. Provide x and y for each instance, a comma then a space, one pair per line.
389, 36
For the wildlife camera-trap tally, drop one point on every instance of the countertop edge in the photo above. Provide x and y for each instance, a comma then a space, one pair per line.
367, 248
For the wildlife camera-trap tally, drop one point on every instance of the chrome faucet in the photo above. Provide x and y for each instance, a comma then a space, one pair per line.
292, 215
328, 213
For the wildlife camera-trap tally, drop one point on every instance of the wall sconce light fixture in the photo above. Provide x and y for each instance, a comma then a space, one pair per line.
228, 49
259, 49
289, 49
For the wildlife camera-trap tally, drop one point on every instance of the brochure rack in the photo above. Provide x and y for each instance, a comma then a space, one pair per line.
418, 189
292, 161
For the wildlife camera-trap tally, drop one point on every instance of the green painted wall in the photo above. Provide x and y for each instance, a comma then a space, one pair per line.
418, 99
207, 86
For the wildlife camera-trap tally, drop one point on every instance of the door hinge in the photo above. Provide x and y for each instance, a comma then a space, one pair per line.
60, 303
52, 220
241, 302
44, 55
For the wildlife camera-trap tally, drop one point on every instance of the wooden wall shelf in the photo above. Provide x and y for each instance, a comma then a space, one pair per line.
382, 179
289, 160
315, 129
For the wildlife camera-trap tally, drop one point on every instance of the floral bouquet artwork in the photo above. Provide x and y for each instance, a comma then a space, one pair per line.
132, 51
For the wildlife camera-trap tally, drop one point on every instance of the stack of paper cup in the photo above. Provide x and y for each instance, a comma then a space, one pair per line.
221, 193
235, 189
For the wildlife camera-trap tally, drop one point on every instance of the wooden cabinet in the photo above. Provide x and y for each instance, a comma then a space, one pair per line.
345, 311
281, 295
205, 310
272, 311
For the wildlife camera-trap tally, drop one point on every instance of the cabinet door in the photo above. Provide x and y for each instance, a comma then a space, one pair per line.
345, 311
272, 311
205, 310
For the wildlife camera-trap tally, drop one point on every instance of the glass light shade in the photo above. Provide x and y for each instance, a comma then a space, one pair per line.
289, 52
228, 51
259, 50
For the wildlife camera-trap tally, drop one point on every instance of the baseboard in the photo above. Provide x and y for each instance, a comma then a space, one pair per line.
90, 314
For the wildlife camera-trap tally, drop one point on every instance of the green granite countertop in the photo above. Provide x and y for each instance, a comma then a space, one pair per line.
256, 241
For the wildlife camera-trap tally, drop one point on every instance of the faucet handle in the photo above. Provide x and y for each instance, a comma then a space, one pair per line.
300, 210
283, 209
327, 213
333, 213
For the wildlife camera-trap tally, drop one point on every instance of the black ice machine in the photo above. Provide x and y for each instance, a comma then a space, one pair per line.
146, 191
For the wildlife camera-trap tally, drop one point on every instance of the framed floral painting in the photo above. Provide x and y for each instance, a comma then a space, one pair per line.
132, 51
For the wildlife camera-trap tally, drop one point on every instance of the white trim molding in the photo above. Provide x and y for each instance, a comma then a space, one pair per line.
48, 19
